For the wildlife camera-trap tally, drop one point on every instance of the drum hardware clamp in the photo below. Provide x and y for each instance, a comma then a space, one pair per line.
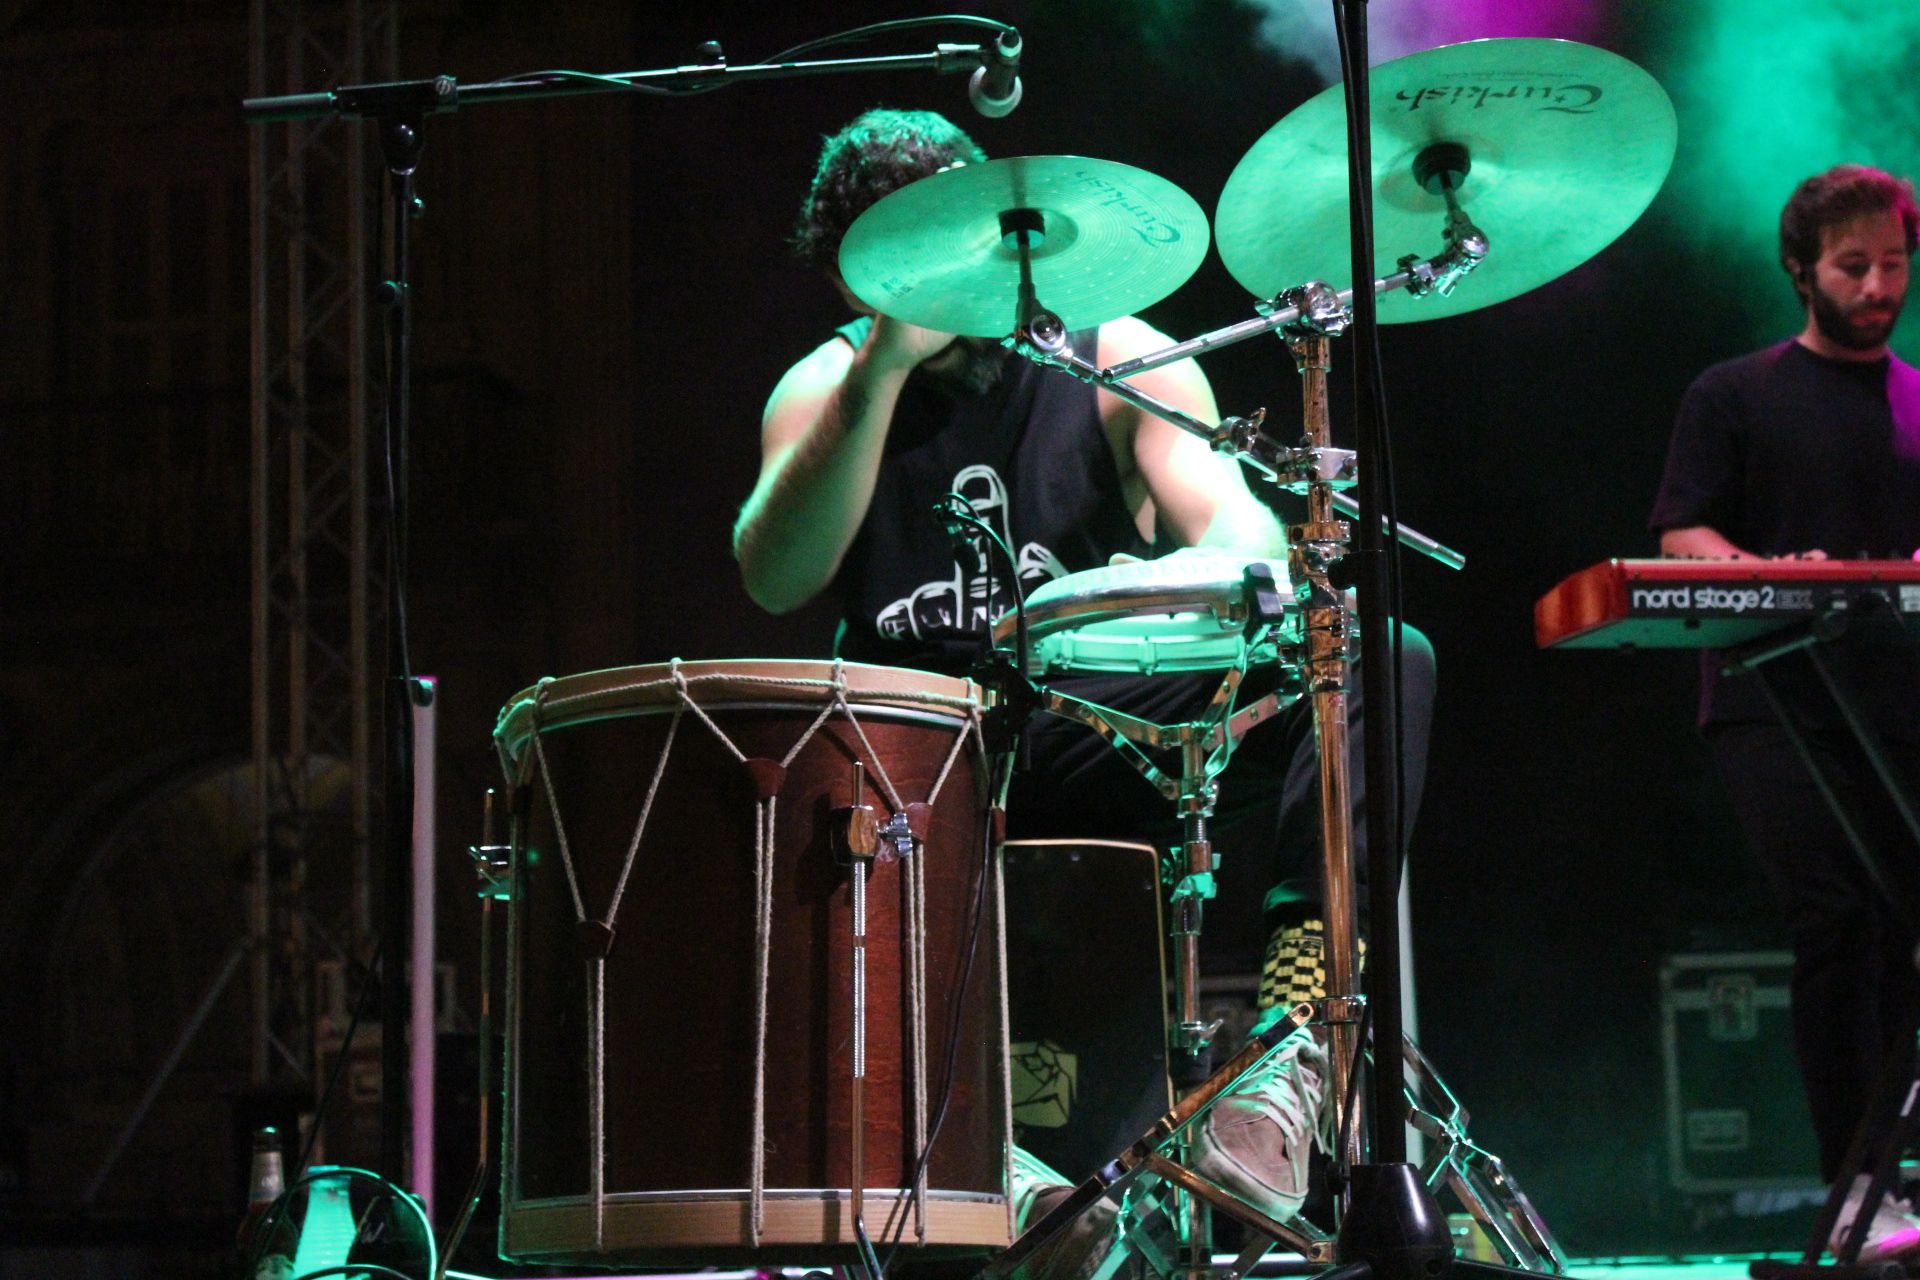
492, 862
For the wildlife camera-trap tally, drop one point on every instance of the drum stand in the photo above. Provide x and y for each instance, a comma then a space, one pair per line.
1204, 744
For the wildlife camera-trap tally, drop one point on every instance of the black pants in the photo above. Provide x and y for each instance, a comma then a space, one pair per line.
1856, 994
1266, 827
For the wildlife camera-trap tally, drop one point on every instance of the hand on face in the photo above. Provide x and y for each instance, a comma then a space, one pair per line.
899, 345
895, 343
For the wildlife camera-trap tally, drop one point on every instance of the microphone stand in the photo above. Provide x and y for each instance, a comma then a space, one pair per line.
1017, 697
1392, 1228
399, 108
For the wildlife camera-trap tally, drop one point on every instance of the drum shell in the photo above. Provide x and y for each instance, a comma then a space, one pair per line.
681, 979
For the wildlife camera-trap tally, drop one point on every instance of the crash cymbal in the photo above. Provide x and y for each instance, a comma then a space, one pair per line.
1567, 143
1113, 239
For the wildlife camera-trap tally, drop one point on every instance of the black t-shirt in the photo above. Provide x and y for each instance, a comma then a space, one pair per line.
1785, 451
1031, 455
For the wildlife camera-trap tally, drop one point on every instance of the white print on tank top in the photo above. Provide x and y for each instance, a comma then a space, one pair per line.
938, 607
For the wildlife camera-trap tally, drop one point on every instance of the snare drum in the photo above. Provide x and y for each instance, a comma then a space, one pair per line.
679, 1014
1175, 614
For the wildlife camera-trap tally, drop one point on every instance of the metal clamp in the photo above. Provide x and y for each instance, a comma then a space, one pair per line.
1341, 1010
492, 862
1318, 306
896, 836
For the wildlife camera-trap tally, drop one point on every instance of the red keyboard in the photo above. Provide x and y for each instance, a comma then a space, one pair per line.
1710, 604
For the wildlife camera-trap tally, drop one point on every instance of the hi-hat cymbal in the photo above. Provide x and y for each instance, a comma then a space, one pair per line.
1113, 239
1568, 144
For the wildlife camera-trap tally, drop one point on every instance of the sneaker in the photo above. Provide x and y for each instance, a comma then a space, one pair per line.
1089, 1249
1255, 1141
1894, 1232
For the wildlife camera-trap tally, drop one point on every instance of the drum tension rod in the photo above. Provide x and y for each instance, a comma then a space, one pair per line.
857, 836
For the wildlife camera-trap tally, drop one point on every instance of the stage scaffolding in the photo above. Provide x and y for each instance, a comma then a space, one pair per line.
317, 569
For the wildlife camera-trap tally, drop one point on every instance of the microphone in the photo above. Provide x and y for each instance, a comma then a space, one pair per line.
994, 89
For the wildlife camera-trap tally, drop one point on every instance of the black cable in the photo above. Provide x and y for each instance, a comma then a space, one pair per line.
276, 1213
367, 986
957, 508
612, 81
394, 456
856, 35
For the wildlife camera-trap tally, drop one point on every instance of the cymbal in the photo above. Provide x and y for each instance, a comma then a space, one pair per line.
1568, 144
1114, 239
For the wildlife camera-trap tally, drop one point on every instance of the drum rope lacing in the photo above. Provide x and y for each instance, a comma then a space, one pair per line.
764, 839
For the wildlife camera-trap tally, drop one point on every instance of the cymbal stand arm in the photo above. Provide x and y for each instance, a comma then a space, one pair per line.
1466, 246
1440, 169
1241, 437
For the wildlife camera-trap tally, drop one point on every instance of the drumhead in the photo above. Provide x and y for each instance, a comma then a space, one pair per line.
1175, 614
621, 691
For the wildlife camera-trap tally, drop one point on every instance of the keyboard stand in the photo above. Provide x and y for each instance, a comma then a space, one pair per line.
1889, 1124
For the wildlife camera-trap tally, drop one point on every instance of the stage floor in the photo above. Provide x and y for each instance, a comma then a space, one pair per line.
1701, 1267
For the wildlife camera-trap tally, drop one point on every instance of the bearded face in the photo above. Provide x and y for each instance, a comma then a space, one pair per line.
969, 367
1855, 290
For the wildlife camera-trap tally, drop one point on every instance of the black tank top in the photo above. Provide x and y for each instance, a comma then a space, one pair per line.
1031, 455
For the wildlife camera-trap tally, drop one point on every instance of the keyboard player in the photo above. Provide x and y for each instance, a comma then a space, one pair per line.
1811, 447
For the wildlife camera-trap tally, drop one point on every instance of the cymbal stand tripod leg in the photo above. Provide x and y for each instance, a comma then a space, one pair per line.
1480, 1179
1146, 1156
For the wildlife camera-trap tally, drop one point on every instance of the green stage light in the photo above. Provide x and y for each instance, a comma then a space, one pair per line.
1768, 92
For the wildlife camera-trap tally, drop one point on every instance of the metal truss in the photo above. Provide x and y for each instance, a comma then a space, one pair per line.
316, 587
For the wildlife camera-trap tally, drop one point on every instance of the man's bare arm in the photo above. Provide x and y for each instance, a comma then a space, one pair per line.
1200, 497
821, 440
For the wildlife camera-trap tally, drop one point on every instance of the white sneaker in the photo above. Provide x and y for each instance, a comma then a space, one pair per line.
1893, 1233
1256, 1140
1087, 1250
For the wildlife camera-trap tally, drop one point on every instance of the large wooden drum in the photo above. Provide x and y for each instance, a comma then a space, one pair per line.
681, 1004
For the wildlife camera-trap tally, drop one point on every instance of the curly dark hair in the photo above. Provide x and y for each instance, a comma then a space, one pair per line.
1841, 194
874, 156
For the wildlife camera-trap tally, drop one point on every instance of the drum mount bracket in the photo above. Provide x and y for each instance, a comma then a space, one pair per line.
1295, 469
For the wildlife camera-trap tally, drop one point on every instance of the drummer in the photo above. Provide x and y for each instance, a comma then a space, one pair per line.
865, 433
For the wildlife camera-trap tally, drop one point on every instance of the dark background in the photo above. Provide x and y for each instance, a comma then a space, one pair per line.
605, 303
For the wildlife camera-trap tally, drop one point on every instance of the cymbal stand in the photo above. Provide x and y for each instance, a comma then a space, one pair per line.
1307, 317
1314, 548
1312, 314
1478, 1178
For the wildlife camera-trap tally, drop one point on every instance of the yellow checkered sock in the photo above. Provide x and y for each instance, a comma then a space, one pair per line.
1296, 964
